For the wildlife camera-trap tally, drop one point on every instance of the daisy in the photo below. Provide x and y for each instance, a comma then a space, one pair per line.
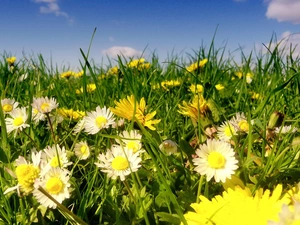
44, 104
240, 122
285, 129
26, 173
8, 105
119, 162
56, 183
82, 150
78, 127
18, 120
131, 140
226, 131
288, 215
54, 157
98, 120
215, 159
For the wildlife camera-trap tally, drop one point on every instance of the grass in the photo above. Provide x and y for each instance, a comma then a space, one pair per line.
163, 188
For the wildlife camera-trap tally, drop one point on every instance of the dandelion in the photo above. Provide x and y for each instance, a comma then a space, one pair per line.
18, 120
98, 120
239, 74
56, 183
11, 60
79, 74
169, 147
82, 150
119, 162
226, 131
238, 206
139, 64
215, 159
67, 74
219, 87
172, 83
113, 71
131, 140
89, 89
196, 89
44, 104
130, 109
8, 105
71, 114
196, 65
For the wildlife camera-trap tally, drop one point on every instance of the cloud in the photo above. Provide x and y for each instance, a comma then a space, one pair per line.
288, 41
284, 10
122, 51
51, 6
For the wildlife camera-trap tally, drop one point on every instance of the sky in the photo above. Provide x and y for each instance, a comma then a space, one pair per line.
58, 29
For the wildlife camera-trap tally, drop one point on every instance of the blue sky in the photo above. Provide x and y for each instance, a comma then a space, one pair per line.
58, 28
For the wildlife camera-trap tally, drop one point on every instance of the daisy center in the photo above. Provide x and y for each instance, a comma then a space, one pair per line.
84, 150
18, 121
101, 121
45, 106
133, 146
216, 160
55, 162
120, 163
26, 175
54, 185
228, 131
243, 125
7, 108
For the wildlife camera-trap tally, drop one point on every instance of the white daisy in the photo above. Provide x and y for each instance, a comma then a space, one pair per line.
119, 162
44, 104
82, 150
56, 183
226, 131
8, 105
215, 159
54, 157
18, 120
288, 215
168, 146
285, 129
78, 127
131, 140
240, 122
97, 120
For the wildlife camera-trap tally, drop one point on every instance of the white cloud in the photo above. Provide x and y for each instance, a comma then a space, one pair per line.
51, 6
284, 10
122, 51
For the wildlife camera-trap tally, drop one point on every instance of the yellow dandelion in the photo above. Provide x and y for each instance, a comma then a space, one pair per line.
71, 114
219, 87
67, 74
11, 60
171, 83
196, 89
195, 66
239, 74
129, 109
113, 71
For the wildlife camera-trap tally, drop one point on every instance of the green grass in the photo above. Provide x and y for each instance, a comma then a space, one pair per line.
161, 191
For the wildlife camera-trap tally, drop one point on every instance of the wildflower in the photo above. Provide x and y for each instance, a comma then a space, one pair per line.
219, 87
71, 114
168, 146
130, 109
98, 120
139, 64
44, 104
255, 95
11, 60
238, 206
56, 182
240, 122
289, 215
172, 83
54, 157
239, 74
18, 120
131, 140
216, 159
78, 74
8, 105
226, 131
89, 89
26, 173
79, 126
198, 107
67, 74
249, 77
119, 162
195, 66
285, 129
113, 71
196, 89
82, 150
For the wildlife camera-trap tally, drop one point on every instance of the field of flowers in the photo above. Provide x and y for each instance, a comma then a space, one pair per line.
197, 141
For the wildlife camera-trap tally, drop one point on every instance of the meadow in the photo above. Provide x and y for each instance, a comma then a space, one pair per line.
205, 140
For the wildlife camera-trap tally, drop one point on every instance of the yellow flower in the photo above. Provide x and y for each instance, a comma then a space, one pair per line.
239, 74
238, 206
130, 108
67, 74
136, 62
255, 95
89, 89
79, 74
113, 71
11, 60
71, 114
198, 106
196, 65
219, 87
171, 83
196, 89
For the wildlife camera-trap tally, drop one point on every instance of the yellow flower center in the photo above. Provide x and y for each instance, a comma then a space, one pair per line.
55, 162
228, 131
243, 125
18, 121
7, 108
26, 175
120, 163
54, 185
132, 145
101, 121
45, 106
216, 160
84, 150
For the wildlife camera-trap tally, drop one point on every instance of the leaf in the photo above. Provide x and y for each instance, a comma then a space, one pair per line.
170, 218
3, 157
